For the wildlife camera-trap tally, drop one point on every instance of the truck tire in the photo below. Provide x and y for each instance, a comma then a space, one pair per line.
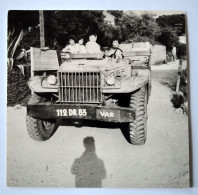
135, 132
38, 129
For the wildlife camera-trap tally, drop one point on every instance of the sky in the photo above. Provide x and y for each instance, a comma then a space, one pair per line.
157, 12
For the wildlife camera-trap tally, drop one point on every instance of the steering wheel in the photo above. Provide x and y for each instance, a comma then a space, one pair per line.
113, 55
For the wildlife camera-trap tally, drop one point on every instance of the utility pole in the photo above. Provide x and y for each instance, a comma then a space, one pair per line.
42, 35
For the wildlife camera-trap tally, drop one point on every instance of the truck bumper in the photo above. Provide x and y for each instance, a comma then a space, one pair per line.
80, 111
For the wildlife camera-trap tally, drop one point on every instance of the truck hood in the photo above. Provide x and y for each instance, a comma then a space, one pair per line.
90, 65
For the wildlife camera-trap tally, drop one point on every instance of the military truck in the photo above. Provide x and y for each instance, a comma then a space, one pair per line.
89, 87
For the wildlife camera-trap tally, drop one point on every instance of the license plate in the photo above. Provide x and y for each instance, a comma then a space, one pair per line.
71, 112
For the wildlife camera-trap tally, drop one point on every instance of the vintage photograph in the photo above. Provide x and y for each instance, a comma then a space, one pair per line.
97, 99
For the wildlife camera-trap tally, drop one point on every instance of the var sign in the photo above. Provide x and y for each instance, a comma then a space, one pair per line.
108, 115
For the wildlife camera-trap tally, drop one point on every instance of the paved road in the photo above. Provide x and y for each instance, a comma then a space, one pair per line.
111, 162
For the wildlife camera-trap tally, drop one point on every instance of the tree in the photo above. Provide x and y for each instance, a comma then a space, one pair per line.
181, 50
168, 38
60, 26
20, 23
141, 26
63, 25
118, 15
22, 19
176, 22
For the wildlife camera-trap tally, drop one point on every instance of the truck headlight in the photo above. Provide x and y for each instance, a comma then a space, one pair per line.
110, 80
51, 80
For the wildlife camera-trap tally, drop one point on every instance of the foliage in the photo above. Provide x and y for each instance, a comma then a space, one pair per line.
17, 88
181, 50
171, 26
184, 84
108, 34
142, 26
180, 100
22, 19
177, 100
31, 38
19, 30
168, 38
175, 22
13, 40
117, 13
60, 26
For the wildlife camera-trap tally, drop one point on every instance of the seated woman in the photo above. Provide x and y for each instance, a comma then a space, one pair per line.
81, 49
92, 46
71, 48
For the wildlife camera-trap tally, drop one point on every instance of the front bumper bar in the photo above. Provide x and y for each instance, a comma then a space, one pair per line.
80, 111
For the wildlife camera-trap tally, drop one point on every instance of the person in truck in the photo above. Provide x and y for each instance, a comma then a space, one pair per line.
91, 46
81, 49
71, 48
115, 52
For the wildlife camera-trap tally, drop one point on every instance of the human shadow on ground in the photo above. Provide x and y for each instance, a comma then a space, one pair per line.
89, 170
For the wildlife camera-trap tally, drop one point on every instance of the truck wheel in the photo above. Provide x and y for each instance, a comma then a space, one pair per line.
135, 132
39, 130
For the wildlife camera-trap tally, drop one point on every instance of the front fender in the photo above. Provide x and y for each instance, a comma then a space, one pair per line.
35, 84
129, 85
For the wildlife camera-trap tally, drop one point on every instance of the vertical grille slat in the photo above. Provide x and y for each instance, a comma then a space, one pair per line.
62, 86
68, 84
94, 88
97, 87
86, 89
82, 87
79, 96
90, 87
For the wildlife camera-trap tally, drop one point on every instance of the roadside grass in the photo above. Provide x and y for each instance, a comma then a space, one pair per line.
184, 90
180, 100
166, 77
169, 79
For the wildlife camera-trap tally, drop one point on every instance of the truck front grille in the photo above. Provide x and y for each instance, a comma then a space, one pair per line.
81, 87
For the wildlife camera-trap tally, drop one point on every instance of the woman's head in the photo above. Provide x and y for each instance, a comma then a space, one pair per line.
81, 41
92, 37
71, 41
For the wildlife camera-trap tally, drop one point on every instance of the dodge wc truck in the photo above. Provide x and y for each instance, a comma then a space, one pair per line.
89, 87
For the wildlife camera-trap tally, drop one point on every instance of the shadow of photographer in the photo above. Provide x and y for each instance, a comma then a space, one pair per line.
89, 170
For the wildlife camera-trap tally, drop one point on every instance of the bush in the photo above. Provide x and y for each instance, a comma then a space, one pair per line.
184, 84
18, 91
168, 38
181, 50
177, 100
181, 100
